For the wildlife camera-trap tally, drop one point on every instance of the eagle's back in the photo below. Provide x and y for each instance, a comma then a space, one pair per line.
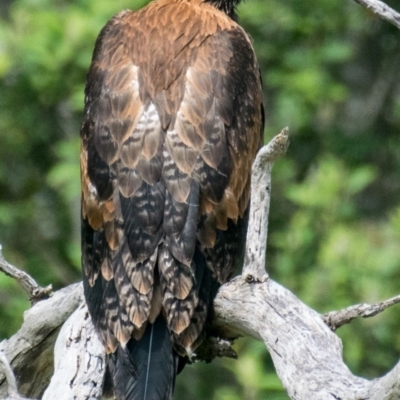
173, 120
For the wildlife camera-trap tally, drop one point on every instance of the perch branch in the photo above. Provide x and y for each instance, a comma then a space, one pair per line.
302, 346
12, 383
307, 355
77, 335
79, 360
30, 350
383, 10
35, 292
335, 319
9, 374
256, 240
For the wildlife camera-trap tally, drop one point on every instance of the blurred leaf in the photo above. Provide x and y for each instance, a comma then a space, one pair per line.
65, 175
334, 226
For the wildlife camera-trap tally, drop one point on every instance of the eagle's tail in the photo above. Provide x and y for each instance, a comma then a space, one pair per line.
145, 369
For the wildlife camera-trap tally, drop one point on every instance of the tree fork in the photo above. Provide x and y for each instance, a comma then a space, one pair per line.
306, 353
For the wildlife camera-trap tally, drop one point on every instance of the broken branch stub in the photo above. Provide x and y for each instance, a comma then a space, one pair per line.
257, 232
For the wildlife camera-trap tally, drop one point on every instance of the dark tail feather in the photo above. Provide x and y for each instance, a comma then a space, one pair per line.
145, 369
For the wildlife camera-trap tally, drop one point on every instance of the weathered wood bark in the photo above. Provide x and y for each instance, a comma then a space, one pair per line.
34, 291
256, 248
307, 354
383, 10
30, 350
79, 360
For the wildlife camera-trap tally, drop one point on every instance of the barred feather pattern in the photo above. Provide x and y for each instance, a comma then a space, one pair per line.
173, 120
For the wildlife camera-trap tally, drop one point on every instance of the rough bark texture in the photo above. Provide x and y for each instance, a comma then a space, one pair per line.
383, 10
307, 355
254, 261
34, 291
335, 319
79, 360
30, 350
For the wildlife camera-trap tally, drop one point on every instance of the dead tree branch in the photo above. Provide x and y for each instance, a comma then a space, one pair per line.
382, 10
303, 348
35, 292
306, 353
9, 374
30, 350
335, 319
11, 381
256, 248
79, 360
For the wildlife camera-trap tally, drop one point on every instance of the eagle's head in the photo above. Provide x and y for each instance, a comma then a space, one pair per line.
227, 6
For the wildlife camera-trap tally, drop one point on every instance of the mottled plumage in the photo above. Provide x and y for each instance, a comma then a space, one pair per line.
173, 120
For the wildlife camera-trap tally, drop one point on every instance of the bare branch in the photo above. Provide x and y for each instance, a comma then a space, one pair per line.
30, 350
383, 10
303, 348
307, 355
79, 360
35, 292
256, 240
335, 319
12, 383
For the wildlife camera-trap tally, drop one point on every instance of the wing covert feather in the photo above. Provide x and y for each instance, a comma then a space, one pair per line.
168, 139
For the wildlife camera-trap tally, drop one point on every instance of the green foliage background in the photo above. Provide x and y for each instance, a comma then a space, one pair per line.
331, 72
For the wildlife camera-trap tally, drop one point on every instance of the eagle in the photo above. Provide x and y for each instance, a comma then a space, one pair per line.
172, 122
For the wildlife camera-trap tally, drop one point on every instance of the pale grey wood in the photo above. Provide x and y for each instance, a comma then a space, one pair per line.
383, 10
9, 374
34, 291
307, 355
5, 367
256, 239
335, 319
30, 350
79, 361
387, 387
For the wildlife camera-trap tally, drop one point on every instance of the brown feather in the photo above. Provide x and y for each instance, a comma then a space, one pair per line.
150, 170
188, 133
136, 305
114, 234
178, 311
173, 121
176, 182
141, 274
192, 336
178, 277
106, 269
129, 181
184, 157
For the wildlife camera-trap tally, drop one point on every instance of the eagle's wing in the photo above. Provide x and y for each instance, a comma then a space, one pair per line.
173, 120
